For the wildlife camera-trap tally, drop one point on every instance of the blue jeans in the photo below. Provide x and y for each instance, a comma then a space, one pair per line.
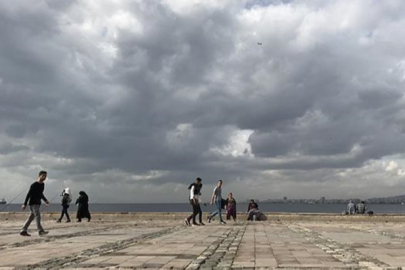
218, 209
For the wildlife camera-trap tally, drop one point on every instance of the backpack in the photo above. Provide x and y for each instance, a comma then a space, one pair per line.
66, 198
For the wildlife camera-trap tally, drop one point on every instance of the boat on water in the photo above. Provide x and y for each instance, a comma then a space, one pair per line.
3, 201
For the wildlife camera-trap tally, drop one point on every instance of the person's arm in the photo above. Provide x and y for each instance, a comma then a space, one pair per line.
44, 198
29, 194
213, 196
192, 193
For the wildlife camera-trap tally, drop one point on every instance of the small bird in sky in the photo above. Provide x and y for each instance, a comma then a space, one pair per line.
259, 43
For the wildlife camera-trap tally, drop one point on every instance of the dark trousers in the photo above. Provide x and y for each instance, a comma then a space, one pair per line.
196, 211
64, 212
231, 212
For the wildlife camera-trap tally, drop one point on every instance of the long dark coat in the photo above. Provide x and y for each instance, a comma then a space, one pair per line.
83, 208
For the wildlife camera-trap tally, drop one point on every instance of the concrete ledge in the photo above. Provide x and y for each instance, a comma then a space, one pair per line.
132, 216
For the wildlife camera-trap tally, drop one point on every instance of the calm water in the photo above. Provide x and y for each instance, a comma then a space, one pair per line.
241, 207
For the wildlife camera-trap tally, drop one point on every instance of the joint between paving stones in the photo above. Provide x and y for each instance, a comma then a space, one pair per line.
58, 237
349, 256
74, 259
220, 254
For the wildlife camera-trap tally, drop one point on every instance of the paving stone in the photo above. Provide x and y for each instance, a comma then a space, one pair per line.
264, 245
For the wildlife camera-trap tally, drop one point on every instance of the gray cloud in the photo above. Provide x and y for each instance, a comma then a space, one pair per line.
139, 96
10, 148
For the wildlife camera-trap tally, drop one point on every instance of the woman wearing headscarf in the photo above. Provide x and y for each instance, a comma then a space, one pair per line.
231, 207
83, 207
66, 200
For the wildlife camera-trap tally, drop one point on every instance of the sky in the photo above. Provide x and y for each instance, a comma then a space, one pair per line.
130, 101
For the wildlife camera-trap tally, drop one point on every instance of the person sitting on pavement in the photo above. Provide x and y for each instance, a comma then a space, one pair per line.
350, 208
252, 205
253, 211
361, 208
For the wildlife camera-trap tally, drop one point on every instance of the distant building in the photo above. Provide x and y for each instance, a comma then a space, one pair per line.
248, 200
285, 199
322, 200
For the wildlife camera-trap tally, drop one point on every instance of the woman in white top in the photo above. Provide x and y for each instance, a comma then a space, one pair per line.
195, 192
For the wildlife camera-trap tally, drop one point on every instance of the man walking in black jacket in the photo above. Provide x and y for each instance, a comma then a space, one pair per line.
33, 199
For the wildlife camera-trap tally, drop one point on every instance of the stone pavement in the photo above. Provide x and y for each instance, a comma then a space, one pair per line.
171, 245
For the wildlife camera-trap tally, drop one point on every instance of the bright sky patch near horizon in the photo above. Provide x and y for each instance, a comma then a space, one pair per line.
131, 100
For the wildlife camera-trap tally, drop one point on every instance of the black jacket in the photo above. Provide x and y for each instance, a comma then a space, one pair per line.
66, 200
197, 188
35, 194
252, 206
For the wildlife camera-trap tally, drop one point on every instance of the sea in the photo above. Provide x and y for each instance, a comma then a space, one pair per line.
241, 207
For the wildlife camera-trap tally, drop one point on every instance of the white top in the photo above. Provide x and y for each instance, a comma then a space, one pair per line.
192, 195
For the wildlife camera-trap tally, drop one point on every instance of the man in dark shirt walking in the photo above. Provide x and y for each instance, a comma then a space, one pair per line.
33, 199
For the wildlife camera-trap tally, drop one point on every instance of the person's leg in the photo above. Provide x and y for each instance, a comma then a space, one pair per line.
199, 212
256, 214
27, 223
250, 215
220, 212
213, 214
66, 213
219, 209
37, 214
62, 214
188, 219
195, 212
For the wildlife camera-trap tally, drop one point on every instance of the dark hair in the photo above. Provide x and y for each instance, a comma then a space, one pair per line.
198, 180
42, 172
220, 181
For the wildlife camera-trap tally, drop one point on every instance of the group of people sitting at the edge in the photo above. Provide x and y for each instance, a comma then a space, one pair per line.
360, 209
229, 204
36, 194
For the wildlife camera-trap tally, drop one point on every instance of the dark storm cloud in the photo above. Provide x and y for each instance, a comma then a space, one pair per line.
160, 90
10, 148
